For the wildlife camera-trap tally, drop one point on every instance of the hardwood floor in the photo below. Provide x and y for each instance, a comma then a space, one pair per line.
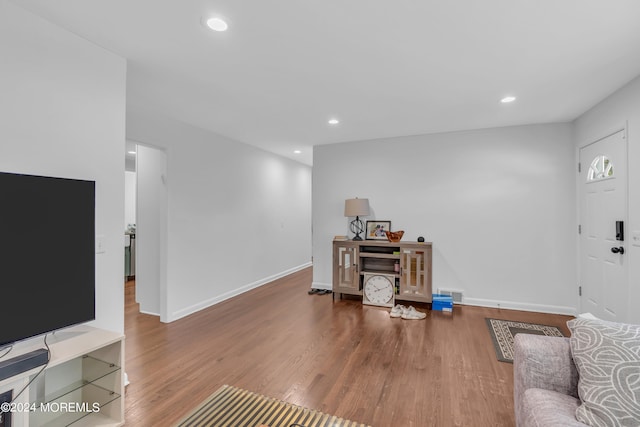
341, 358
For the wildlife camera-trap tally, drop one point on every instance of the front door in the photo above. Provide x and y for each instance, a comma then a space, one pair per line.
603, 214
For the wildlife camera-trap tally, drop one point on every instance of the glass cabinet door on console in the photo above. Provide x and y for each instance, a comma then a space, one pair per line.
414, 273
345, 259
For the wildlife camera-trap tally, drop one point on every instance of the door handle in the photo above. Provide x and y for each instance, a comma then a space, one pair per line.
619, 250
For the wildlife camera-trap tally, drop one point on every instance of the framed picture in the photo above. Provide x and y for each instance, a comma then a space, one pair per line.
376, 230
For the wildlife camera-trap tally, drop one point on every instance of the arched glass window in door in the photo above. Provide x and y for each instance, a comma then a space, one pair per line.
601, 168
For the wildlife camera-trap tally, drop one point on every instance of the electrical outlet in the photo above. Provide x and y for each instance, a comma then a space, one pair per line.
100, 244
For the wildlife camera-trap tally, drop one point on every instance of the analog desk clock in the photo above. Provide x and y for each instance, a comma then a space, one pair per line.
378, 289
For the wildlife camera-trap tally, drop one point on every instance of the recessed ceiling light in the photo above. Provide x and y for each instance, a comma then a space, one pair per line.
508, 99
131, 152
297, 151
217, 24
333, 121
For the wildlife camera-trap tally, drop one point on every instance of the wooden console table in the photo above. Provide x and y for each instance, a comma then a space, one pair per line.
409, 262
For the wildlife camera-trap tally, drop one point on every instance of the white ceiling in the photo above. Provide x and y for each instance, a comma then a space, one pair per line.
384, 68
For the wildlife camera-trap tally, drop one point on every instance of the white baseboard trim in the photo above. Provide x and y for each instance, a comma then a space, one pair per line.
510, 305
320, 285
150, 313
507, 305
234, 292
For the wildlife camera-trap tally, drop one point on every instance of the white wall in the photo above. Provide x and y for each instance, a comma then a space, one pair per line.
151, 232
129, 198
62, 113
498, 205
237, 216
621, 109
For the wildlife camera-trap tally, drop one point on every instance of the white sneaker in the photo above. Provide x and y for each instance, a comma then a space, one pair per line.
397, 311
413, 314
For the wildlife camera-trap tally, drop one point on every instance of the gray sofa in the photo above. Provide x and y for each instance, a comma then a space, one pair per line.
545, 382
600, 363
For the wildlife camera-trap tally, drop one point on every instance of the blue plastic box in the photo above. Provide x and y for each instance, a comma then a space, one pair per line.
442, 303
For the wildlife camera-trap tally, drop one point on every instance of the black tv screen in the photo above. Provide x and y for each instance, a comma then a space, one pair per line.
47, 254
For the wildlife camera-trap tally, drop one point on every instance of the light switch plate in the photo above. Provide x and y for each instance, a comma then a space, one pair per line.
635, 238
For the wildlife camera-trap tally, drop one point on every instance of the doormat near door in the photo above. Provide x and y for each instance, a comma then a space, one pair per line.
235, 407
503, 331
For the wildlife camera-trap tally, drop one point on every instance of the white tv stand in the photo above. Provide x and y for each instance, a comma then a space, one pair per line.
82, 384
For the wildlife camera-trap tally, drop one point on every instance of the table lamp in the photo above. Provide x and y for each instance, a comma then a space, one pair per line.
356, 207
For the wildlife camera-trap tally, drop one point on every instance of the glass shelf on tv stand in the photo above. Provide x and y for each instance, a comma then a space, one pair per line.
79, 399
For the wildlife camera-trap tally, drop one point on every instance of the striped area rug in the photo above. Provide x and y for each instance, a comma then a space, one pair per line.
234, 407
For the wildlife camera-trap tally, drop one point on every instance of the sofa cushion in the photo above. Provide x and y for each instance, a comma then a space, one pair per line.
548, 408
607, 356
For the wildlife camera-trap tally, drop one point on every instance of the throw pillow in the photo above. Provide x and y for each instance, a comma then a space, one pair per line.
607, 356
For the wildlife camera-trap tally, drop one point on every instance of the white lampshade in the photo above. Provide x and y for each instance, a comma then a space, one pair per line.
356, 207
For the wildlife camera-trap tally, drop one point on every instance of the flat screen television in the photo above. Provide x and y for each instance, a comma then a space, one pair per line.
47, 254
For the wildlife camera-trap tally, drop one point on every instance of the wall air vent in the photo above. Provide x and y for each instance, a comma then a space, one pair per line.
456, 295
